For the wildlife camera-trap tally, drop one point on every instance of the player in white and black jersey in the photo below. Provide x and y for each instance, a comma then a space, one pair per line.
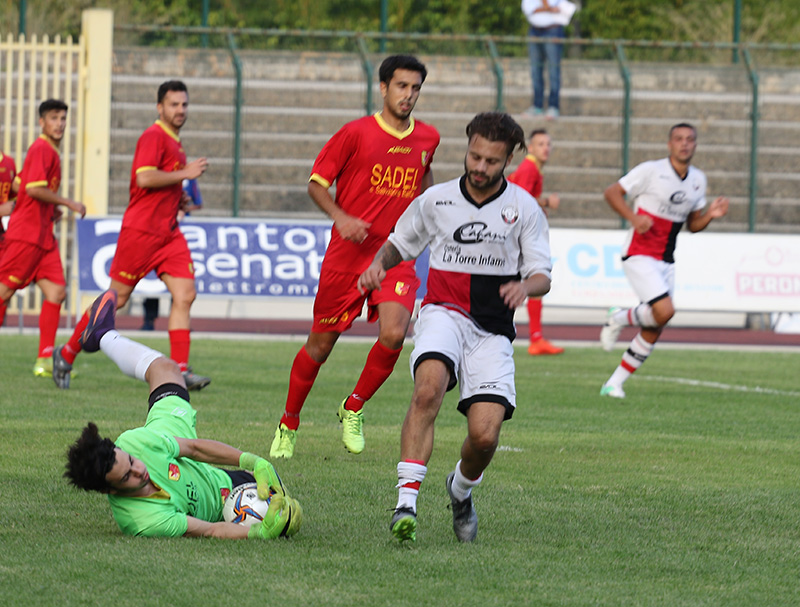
666, 194
489, 251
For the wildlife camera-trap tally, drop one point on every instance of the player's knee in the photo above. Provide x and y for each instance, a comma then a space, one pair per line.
393, 338
184, 297
483, 441
663, 314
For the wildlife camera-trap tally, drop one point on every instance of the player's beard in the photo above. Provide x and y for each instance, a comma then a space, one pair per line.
491, 180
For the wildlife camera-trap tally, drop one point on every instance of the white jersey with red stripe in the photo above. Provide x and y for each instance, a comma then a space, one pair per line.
475, 248
658, 191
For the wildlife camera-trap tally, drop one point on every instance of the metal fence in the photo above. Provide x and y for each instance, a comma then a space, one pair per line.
33, 70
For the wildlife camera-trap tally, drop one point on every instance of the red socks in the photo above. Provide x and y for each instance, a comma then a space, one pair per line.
535, 318
179, 342
379, 366
71, 349
48, 325
301, 379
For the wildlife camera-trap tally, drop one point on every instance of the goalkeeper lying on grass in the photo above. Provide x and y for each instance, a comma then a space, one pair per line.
159, 478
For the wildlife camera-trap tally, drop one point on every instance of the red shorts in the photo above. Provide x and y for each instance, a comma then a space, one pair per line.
23, 263
139, 252
339, 302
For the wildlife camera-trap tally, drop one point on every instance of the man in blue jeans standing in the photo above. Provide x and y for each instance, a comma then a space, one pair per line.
546, 18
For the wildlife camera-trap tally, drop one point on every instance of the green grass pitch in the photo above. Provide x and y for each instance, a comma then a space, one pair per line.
685, 493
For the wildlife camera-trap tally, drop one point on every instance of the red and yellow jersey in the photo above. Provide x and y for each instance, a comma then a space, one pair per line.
155, 210
8, 171
32, 221
378, 172
528, 176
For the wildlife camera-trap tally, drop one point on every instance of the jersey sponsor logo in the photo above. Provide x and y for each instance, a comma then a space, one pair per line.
396, 181
453, 254
224, 492
442, 203
490, 386
678, 197
399, 149
174, 473
475, 232
510, 215
401, 288
54, 183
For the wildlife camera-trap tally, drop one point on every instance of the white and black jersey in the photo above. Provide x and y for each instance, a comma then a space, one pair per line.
658, 191
474, 248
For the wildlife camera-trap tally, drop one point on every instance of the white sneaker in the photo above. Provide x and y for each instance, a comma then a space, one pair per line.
610, 331
612, 390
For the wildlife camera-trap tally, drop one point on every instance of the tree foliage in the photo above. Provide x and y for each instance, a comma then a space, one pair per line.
705, 20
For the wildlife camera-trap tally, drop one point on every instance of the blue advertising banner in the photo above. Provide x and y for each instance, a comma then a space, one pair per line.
232, 257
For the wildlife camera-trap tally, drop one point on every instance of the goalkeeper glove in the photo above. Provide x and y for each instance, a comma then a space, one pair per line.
283, 519
267, 480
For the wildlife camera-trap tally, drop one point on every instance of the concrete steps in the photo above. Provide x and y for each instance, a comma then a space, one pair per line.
295, 101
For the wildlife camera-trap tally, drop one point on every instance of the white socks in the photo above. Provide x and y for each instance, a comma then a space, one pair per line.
132, 358
462, 486
409, 477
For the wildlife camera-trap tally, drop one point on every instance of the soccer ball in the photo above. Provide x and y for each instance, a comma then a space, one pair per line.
244, 507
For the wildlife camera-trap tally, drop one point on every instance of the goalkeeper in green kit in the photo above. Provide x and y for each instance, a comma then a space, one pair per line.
160, 479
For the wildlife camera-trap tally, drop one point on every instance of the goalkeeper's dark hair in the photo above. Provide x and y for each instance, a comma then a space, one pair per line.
89, 460
171, 85
50, 105
400, 62
498, 126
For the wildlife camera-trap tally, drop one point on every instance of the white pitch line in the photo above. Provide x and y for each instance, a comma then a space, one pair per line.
719, 385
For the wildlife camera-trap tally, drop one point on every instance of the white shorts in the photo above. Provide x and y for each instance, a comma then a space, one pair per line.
482, 363
650, 278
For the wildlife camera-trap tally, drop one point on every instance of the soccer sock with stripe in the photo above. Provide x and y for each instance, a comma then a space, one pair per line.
410, 474
535, 318
462, 486
379, 366
632, 359
640, 316
48, 325
73, 346
301, 379
179, 343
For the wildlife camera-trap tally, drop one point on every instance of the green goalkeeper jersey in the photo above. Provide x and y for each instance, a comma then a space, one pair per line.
186, 487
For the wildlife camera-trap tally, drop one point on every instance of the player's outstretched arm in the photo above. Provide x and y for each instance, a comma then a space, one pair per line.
222, 530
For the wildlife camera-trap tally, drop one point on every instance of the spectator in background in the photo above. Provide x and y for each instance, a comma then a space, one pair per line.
547, 19
192, 201
529, 177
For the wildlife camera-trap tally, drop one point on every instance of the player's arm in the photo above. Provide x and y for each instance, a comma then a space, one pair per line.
221, 454
155, 178
6, 208
427, 181
698, 220
208, 451
43, 194
385, 259
223, 530
615, 197
515, 292
349, 227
